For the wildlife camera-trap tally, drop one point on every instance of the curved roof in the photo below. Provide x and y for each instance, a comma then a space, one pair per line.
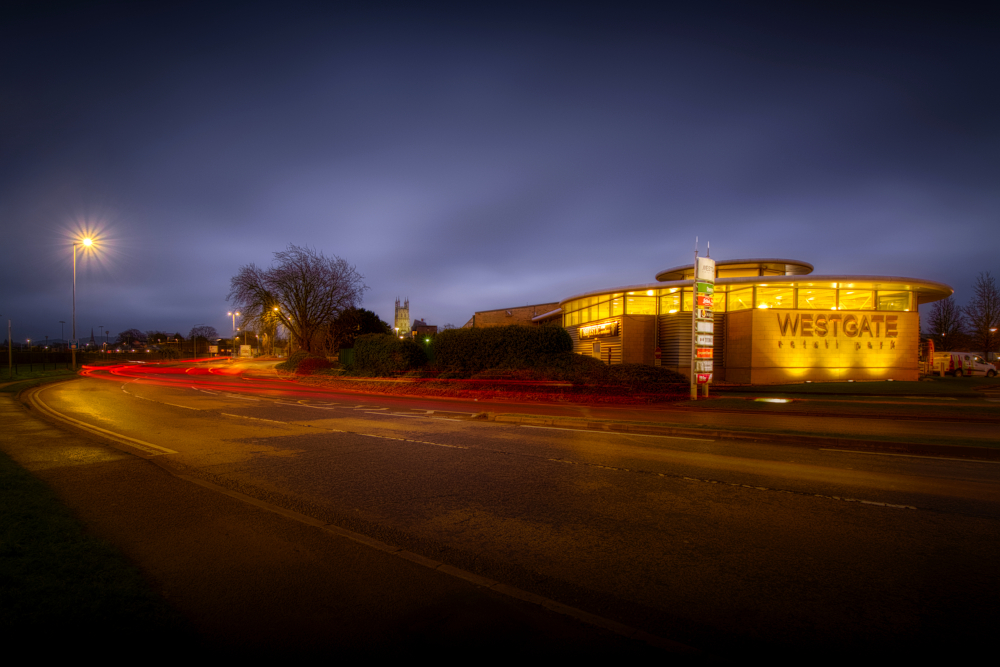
927, 291
788, 267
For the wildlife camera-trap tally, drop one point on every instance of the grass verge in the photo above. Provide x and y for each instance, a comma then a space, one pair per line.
54, 575
28, 380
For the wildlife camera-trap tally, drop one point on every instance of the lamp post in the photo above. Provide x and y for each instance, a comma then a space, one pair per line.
234, 314
87, 242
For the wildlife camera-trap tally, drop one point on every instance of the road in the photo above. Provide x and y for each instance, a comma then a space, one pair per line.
727, 547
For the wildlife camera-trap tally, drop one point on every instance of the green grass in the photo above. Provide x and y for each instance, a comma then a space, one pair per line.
54, 575
29, 379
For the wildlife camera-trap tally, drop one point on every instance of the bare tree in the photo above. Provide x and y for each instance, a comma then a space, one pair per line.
983, 314
202, 332
947, 325
302, 290
131, 337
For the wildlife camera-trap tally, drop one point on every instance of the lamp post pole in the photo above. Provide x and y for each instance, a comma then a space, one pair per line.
86, 242
72, 344
234, 314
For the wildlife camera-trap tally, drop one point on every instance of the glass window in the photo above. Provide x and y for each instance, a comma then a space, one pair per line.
603, 310
820, 299
775, 297
686, 299
894, 300
719, 303
741, 299
855, 299
617, 304
670, 303
640, 305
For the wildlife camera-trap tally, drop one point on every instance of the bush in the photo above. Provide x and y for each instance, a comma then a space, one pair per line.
310, 365
383, 354
292, 362
641, 375
471, 351
304, 363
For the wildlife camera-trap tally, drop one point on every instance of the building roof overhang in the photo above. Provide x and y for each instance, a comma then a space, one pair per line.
790, 267
927, 291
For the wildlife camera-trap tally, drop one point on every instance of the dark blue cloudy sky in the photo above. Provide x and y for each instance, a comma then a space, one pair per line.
487, 158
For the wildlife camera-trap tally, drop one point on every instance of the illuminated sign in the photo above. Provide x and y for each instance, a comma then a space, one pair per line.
821, 325
602, 330
703, 335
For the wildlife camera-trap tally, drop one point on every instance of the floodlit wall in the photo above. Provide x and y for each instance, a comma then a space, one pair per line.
799, 345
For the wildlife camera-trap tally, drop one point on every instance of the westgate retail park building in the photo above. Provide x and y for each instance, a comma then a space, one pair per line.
774, 322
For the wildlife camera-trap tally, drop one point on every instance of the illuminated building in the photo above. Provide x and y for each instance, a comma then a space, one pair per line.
774, 321
402, 318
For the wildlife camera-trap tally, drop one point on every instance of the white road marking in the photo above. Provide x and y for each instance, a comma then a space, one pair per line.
258, 419
153, 400
908, 456
141, 445
645, 435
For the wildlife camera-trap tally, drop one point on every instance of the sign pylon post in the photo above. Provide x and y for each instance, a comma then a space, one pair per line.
702, 325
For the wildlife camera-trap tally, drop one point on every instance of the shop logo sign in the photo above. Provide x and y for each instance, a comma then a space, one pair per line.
822, 325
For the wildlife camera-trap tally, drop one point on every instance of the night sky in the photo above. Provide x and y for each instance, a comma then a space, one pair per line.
480, 159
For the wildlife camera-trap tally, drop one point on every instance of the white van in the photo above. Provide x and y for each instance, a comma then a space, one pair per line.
962, 363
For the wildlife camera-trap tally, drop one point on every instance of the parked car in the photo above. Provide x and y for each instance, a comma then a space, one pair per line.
962, 363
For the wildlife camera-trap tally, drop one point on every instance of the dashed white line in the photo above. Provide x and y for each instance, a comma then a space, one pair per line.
644, 435
908, 456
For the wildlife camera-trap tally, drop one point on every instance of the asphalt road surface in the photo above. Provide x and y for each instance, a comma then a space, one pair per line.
734, 549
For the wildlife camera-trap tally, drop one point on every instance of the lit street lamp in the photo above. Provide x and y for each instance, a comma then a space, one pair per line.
87, 242
234, 315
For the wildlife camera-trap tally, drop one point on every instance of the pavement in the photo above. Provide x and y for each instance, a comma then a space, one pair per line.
260, 580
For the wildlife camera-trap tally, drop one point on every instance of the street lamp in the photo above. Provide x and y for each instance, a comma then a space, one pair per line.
87, 242
234, 315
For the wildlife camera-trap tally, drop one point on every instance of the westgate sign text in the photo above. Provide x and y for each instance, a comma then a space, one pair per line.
834, 325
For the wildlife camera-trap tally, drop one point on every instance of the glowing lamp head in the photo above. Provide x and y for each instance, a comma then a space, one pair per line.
88, 241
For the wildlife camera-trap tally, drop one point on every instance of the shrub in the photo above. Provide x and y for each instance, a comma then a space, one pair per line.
304, 363
639, 375
384, 354
471, 351
310, 365
292, 362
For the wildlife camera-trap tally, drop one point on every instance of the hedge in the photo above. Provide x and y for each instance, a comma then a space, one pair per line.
303, 363
384, 354
470, 351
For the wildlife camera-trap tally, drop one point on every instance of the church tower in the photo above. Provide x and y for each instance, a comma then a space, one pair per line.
403, 317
